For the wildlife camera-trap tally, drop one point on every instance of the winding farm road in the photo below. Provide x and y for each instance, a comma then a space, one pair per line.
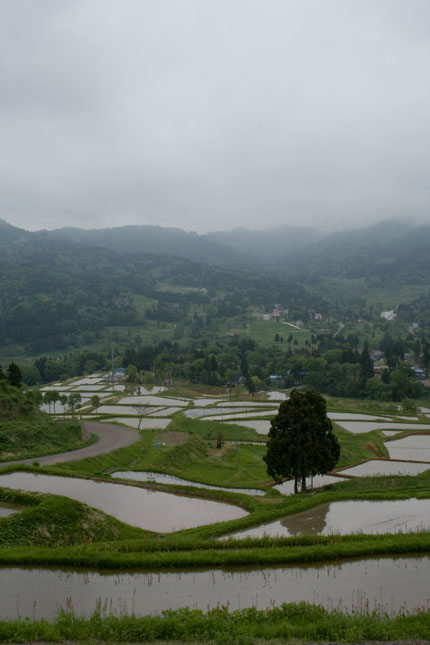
110, 437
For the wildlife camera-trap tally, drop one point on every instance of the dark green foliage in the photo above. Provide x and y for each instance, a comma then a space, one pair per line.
14, 375
301, 440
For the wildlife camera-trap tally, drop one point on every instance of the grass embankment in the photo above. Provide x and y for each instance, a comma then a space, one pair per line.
51, 520
194, 459
289, 622
27, 432
200, 547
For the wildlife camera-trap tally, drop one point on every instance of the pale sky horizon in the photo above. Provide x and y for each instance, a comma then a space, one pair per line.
208, 116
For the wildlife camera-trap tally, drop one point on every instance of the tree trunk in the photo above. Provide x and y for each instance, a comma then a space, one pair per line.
303, 483
296, 489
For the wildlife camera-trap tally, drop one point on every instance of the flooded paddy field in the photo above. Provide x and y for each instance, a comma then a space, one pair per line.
146, 509
153, 400
355, 416
239, 415
358, 427
343, 518
147, 423
262, 427
287, 488
162, 478
414, 447
386, 585
385, 467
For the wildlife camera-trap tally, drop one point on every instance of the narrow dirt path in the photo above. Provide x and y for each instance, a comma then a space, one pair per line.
110, 437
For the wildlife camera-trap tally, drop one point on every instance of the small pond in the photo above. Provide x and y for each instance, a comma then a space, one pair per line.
385, 467
150, 510
383, 584
414, 447
162, 478
342, 518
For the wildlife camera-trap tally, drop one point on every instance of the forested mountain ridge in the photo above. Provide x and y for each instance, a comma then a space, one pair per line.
390, 251
56, 294
156, 240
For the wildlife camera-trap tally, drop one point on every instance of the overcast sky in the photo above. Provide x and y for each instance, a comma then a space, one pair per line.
213, 114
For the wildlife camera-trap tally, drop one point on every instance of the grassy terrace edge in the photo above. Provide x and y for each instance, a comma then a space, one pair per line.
199, 547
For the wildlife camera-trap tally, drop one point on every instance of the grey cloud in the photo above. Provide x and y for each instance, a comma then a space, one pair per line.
210, 115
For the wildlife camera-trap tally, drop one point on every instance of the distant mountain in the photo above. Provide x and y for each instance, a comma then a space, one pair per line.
390, 251
239, 248
267, 248
158, 241
9, 233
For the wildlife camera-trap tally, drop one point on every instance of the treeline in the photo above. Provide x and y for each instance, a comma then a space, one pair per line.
331, 364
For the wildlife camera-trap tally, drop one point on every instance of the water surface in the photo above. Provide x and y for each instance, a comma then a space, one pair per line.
342, 518
384, 584
162, 478
146, 509
357, 427
147, 423
414, 447
8, 509
385, 467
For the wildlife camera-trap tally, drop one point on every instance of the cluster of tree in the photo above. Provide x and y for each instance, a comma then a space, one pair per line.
15, 402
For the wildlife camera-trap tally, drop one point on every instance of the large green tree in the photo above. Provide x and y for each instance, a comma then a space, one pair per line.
301, 440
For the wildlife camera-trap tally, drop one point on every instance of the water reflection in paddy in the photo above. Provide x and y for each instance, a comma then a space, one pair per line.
342, 518
151, 510
162, 478
384, 584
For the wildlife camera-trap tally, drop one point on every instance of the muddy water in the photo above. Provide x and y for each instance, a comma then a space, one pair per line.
383, 584
151, 510
162, 478
342, 518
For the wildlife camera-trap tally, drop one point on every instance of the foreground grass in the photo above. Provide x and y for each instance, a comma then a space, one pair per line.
291, 621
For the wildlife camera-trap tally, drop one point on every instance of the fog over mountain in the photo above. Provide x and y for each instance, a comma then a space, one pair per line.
208, 116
